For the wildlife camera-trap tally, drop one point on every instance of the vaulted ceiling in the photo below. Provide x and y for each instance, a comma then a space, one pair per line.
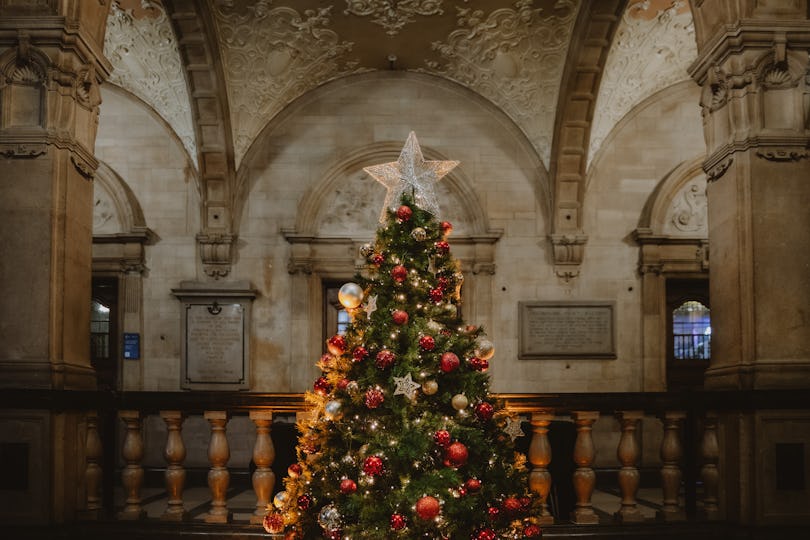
217, 71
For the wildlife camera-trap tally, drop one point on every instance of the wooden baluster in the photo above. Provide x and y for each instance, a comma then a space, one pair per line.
709, 473
132, 474
92, 472
175, 454
628, 453
540, 457
218, 476
263, 455
584, 477
671, 453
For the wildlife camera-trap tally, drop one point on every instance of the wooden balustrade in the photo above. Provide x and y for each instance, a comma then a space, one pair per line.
689, 456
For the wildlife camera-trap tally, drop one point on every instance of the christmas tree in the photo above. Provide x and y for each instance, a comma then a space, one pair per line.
404, 440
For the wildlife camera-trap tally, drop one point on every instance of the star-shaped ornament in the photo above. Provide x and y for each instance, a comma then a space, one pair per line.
405, 386
513, 428
411, 173
371, 305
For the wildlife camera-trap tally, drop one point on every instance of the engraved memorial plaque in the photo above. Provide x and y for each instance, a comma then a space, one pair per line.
215, 344
566, 330
215, 336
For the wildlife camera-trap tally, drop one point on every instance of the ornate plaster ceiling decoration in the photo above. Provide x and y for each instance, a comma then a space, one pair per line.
143, 50
653, 47
273, 55
515, 57
393, 14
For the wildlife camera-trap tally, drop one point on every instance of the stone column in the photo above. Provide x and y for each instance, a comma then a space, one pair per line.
51, 65
218, 476
132, 474
263, 455
753, 68
628, 452
175, 454
671, 453
584, 477
540, 457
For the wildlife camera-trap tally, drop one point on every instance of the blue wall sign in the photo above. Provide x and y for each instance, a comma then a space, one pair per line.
132, 346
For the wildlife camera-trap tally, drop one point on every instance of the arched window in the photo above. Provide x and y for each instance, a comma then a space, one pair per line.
691, 331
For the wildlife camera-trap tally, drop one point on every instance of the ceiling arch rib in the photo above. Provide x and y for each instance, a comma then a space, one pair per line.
199, 51
596, 25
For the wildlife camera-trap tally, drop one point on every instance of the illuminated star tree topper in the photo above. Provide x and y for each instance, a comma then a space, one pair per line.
411, 174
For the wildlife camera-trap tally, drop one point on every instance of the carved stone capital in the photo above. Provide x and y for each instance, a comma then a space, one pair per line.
303, 266
216, 251
484, 268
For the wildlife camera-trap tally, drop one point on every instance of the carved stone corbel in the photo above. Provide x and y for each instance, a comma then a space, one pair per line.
568, 251
216, 253
84, 168
716, 170
779, 154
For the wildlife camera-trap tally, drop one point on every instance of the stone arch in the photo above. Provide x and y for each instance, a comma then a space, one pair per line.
115, 207
473, 218
666, 213
526, 155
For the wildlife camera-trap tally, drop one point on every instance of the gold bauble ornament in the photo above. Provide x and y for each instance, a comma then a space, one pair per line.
459, 402
484, 349
350, 295
430, 387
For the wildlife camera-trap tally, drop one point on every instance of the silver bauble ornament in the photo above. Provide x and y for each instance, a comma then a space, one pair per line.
419, 234
450, 309
484, 349
459, 402
329, 517
350, 295
430, 387
332, 409
433, 326
352, 388
281, 499
366, 250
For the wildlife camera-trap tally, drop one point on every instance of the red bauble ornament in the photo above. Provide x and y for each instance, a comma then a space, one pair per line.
442, 247
294, 470
485, 534
473, 485
343, 383
335, 534
304, 502
427, 343
373, 466
336, 345
273, 523
525, 503
377, 259
493, 512
448, 362
442, 437
359, 354
374, 398
484, 411
397, 522
399, 317
399, 273
436, 294
404, 213
427, 507
443, 282
477, 363
327, 360
457, 454
447, 227
348, 486
532, 531
322, 386
511, 505
385, 359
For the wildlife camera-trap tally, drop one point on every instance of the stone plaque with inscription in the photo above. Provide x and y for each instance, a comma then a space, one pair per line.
215, 348
566, 330
216, 323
